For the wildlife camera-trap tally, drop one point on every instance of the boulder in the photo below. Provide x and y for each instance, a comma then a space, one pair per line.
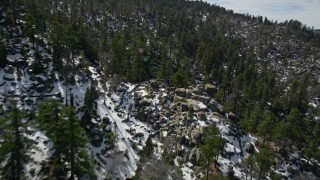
250, 148
180, 92
196, 136
8, 70
155, 85
96, 139
317, 170
230, 172
163, 120
102, 160
215, 106
180, 150
156, 125
210, 89
184, 107
8, 77
194, 156
181, 139
145, 102
197, 91
201, 98
293, 171
188, 93
202, 116
232, 116
106, 120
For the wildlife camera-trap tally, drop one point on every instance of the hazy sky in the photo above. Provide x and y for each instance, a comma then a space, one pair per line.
306, 11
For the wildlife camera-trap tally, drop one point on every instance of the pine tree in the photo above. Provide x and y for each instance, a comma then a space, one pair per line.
148, 149
73, 145
250, 166
49, 120
264, 161
90, 105
14, 144
265, 128
69, 141
212, 146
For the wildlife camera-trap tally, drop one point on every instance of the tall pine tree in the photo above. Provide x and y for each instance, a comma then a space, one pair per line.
14, 144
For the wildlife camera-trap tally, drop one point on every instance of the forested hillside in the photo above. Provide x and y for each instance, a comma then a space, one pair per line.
100, 89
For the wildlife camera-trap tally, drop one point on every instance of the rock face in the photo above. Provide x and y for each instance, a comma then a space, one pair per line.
180, 92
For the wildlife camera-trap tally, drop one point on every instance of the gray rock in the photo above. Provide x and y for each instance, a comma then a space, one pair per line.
250, 148
180, 150
201, 98
8, 70
293, 171
197, 91
232, 116
210, 89
196, 137
202, 116
184, 107
96, 139
145, 102
317, 170
188, 93
156, 125
180, 92
194, 156
215, 106
8, 77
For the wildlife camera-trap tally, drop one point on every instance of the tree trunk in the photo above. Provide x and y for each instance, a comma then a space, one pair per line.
17, 142
208, 166
72, 150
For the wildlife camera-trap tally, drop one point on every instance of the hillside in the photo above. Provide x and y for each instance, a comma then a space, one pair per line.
155, 89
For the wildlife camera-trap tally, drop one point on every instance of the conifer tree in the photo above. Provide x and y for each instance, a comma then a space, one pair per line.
264, 161
73, 145
69, 141
14, 144
89, 104
212, 146
265, 128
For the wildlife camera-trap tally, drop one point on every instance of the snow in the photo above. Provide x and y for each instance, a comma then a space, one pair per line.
188, 173
202, 106
14, 58
124, 138
41, 151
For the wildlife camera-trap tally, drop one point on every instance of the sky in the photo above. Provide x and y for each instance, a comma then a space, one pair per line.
306, 11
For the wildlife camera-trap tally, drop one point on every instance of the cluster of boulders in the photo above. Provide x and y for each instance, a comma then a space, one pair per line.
175, 119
